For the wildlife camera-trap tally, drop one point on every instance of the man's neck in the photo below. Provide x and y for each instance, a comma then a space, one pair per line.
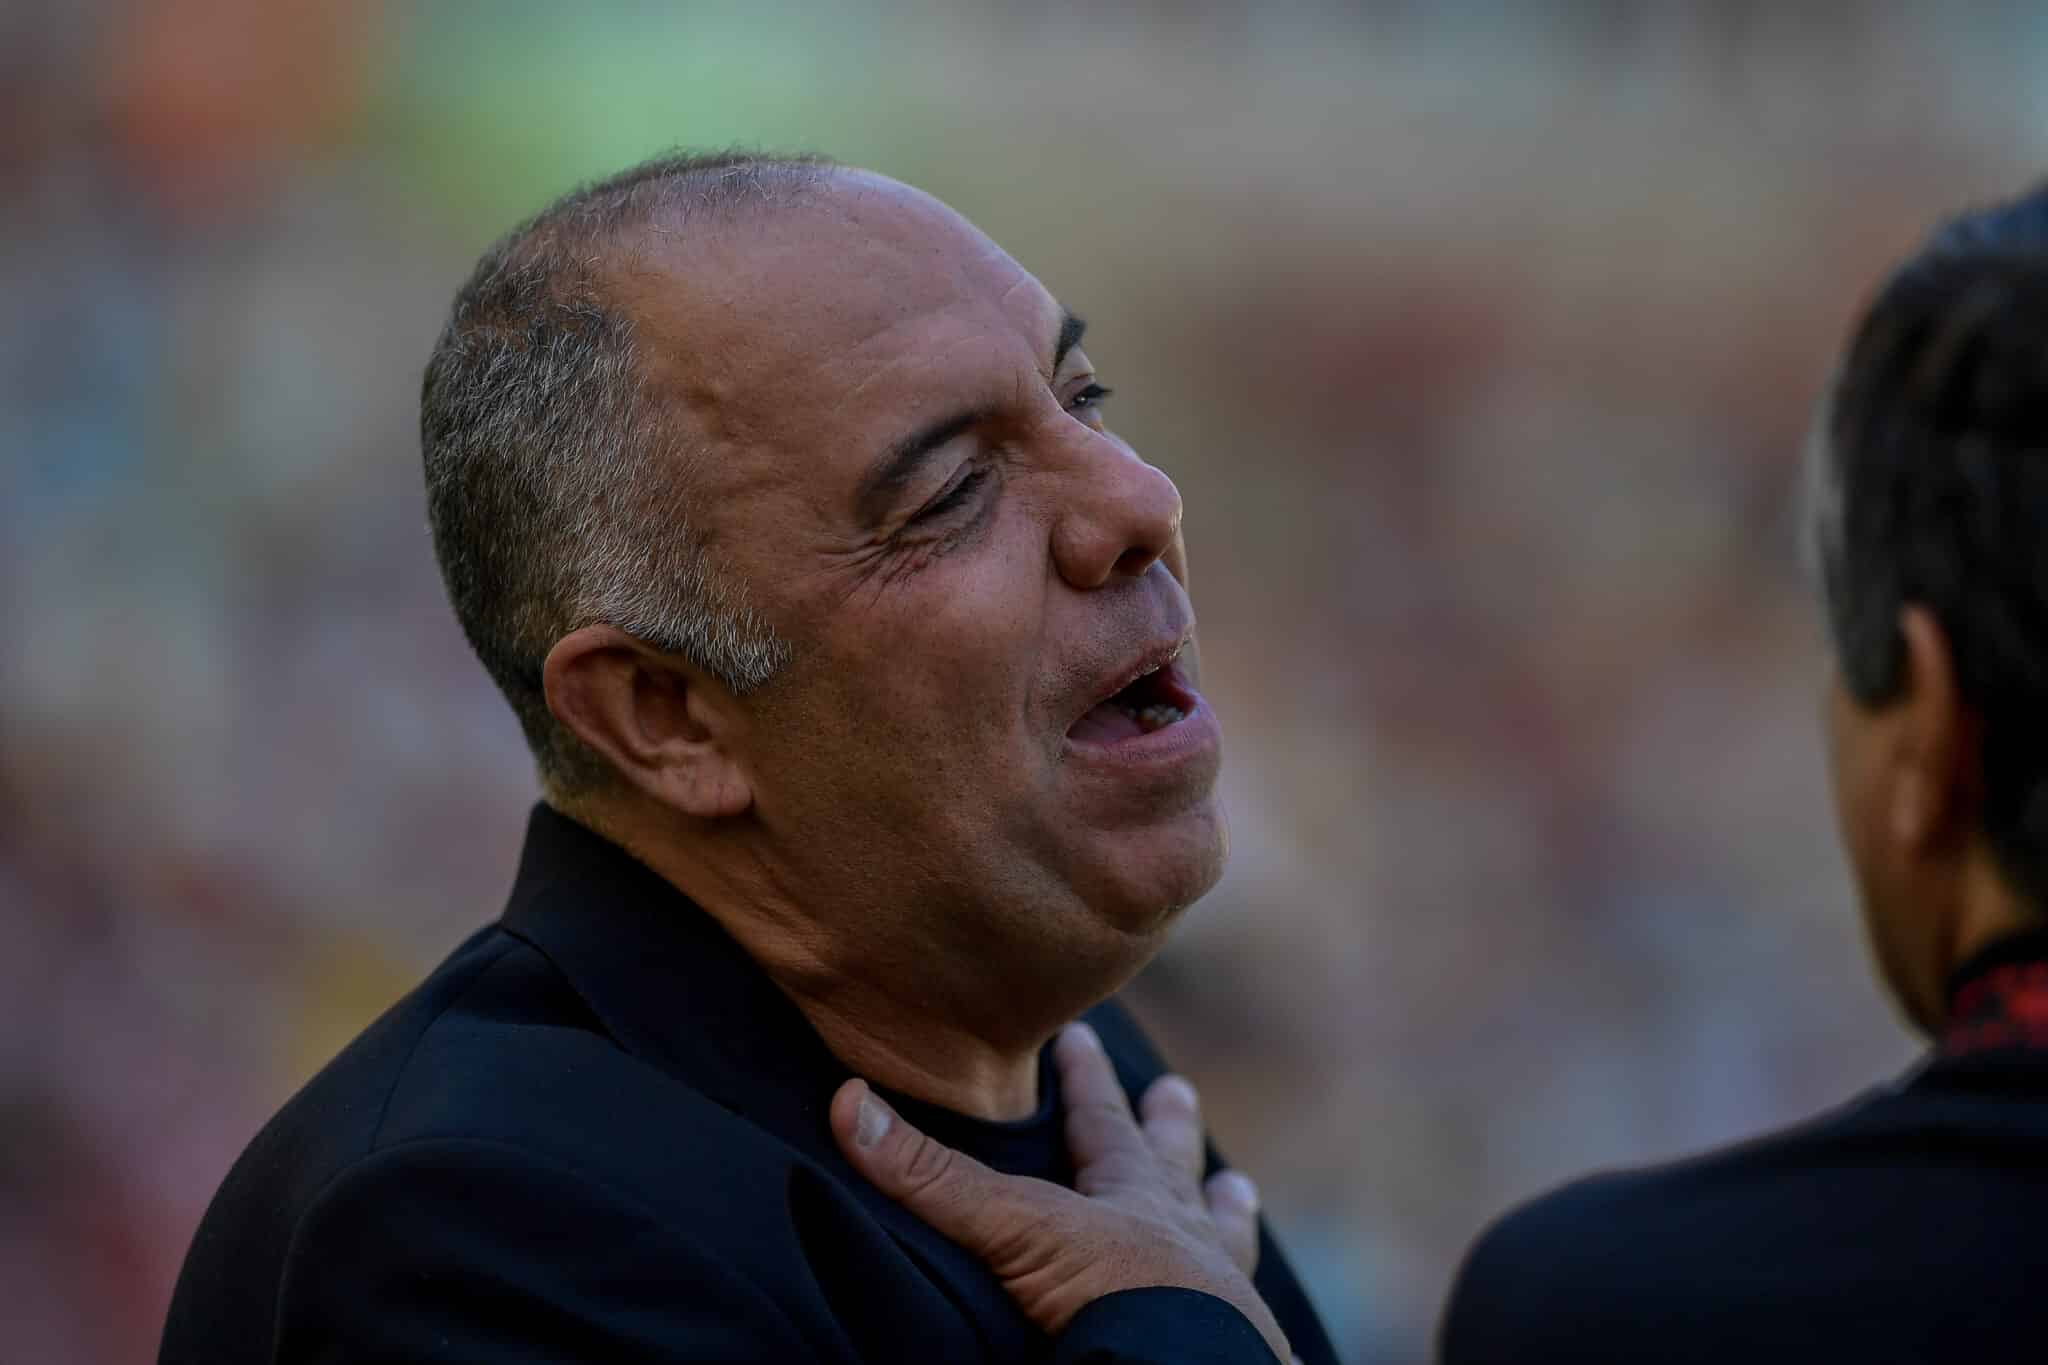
911, 1041
921, 1058
1982, 909
914, 1046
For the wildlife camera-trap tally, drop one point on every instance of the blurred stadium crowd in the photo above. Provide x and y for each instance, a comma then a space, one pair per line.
1480, 338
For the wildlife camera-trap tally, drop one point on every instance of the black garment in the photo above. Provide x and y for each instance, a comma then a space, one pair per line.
1909, 1225
598, 1133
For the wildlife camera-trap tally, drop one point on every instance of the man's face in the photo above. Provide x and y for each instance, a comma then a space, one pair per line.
904, 460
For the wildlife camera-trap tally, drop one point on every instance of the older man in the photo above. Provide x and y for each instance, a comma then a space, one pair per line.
1906, 1226
856, 660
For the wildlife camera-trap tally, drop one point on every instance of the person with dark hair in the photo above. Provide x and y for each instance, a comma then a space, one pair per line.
857, 663
1907, 1224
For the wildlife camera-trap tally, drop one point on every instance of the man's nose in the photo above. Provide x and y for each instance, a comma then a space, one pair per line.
1122, 518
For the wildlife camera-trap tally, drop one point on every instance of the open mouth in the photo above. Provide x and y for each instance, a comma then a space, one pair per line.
1154, 700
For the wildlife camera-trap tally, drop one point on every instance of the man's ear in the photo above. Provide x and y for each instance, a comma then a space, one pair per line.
666, 725
1937, 775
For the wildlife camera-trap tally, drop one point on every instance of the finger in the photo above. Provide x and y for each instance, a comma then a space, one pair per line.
1234, 1209
954, 1193
1172, 1115
1100, 1129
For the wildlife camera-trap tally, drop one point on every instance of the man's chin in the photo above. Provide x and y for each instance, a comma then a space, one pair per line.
1151, 875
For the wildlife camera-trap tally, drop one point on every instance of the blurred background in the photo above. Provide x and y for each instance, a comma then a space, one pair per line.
1480, 337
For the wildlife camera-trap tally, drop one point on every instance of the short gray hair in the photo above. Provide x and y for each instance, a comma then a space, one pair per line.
558, 491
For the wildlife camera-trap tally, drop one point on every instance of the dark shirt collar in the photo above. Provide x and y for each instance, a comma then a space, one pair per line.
667, 981
1998, 999
1035, 1145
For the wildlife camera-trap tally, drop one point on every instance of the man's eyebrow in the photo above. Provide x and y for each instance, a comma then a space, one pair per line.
901, 461
1071, 329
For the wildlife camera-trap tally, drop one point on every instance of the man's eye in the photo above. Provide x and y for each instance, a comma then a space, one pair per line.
953, 497
1088, 399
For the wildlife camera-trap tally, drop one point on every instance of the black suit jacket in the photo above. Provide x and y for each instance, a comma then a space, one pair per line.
597, 1133
1909, 1225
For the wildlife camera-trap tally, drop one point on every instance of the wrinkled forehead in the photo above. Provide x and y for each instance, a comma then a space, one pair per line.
798, 327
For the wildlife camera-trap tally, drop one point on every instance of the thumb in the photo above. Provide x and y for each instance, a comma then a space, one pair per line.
954, 1193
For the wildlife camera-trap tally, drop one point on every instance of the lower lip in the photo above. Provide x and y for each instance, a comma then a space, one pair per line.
1193, 738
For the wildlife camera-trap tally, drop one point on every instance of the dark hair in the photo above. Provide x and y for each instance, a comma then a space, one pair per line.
556, 489
1933, 489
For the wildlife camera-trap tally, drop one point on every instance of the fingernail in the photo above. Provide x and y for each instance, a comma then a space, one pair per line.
1238, 1188
1180, 1091
871, 1122
1086, 1033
